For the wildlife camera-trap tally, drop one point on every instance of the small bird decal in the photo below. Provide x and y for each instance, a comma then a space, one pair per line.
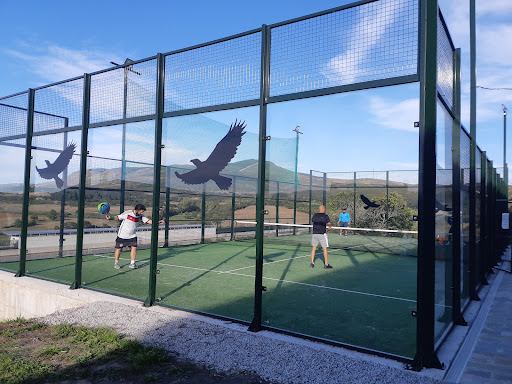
224, 151
53, 170
369, 203
442, 207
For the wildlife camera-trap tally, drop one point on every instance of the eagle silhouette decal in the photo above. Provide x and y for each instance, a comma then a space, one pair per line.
53, 170
369, 203
223, 153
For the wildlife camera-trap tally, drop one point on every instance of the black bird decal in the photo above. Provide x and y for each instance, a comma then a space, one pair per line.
441, 207
53, 170
224, 151
369, 203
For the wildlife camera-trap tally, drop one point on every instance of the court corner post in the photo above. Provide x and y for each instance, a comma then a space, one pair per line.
26, 185
255, 325
426, 356
157, 171
81, 191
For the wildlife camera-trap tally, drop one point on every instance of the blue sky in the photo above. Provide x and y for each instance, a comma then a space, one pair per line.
53, 41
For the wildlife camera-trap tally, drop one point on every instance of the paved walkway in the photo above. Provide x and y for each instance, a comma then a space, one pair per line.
488, 359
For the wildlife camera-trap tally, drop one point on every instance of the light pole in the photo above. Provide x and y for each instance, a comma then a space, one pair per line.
296, 181
505, 170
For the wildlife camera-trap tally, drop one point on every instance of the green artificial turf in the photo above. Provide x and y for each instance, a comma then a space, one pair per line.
365, 300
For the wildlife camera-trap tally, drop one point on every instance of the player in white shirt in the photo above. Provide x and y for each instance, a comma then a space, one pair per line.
127, 234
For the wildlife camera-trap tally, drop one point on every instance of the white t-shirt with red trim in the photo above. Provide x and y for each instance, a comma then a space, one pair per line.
129, 224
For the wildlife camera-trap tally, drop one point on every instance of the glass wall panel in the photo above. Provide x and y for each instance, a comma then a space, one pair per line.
54, 179
348, 144
119, 170
13, 122
213, 167
52, 219
443, 222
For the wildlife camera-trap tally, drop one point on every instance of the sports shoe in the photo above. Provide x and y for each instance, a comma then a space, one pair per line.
117, 266
312, 265
346, 234
133, 266
328, 266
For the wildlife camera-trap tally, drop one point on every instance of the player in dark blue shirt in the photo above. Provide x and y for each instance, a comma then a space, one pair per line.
320, 222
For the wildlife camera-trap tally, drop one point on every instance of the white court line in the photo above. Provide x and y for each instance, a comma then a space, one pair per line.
330, 288
317, 253
278, 280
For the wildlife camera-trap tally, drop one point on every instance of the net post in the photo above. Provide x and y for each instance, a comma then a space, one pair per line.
426, 356
63, 197
26, 185
203, 212
277, 208
233, 207
457, 317
255, 325
167, 203
82, 186
157, 171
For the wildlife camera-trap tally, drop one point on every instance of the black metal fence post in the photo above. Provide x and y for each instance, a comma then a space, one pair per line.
167, 217
260, 197
425, 332
203, 212
26, 185
277, 208
157, 171
82, 186
233, 208
456, 203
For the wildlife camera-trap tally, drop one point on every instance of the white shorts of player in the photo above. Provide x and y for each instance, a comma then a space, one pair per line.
319, 238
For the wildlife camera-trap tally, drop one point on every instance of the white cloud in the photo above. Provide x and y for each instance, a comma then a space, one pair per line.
493, 7
54, 63
392, 115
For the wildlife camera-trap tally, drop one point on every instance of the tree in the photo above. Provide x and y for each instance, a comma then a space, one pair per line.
52, 215
392, 213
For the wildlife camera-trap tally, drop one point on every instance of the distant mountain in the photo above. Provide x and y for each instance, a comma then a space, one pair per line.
246, 172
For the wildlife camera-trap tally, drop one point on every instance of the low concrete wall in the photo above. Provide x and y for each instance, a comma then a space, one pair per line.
28, 297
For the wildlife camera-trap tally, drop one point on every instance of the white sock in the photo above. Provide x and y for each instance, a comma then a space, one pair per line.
132, 262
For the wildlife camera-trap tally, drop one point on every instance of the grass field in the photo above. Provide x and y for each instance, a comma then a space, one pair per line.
366, 300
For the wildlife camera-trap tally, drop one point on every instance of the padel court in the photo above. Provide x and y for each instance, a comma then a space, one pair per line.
230, 143
366, 299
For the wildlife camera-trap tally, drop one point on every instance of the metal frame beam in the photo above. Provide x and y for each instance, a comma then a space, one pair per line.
157, 172
26, 185
260, 196
82, 185
425, 333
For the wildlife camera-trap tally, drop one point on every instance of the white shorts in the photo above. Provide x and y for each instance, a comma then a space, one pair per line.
319, 238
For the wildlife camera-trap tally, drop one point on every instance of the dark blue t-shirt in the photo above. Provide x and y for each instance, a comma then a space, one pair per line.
320, 221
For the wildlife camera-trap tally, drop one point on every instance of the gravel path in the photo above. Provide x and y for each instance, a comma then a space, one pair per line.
229, 348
